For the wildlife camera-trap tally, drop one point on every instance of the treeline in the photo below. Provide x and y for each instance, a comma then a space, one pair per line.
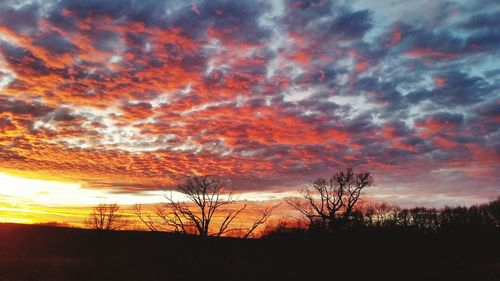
484, 217
329, 205
431, 219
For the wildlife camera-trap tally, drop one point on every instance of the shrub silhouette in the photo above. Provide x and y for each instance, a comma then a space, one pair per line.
106, 217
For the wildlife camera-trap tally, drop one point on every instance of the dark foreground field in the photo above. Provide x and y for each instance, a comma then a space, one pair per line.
48, 253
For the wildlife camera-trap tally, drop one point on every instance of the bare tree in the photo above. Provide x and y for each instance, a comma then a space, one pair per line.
146, 219
205, 199
106, 217
331, 201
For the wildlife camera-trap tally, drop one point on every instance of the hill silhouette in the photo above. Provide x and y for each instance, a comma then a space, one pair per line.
35, 252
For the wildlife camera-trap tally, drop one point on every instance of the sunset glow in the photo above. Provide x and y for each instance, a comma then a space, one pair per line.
119, 101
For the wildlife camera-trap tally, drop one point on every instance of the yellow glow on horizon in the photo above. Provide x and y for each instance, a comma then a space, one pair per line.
31, 200
54, 193
25, 199
37, 191
20, 190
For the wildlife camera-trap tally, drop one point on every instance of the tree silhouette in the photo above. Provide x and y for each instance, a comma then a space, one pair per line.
330, 202
424, 219
383, 214
196, 215
106, 217
494, 211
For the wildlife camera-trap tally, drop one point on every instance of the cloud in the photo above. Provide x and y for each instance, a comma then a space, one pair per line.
461, 89
482, 21
441, 120
135, 95
22, 19
326, 20
20, 107
55, 43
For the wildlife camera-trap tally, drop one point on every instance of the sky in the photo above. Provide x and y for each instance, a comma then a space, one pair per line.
119, 100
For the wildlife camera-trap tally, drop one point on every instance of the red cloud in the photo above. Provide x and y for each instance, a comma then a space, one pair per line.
395, 37
361, 66
439, 81
133, 98
428, 53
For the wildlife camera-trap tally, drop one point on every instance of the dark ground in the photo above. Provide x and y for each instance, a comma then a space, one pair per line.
29, 252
